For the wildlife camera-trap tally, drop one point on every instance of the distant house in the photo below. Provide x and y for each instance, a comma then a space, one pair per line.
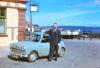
12, 20
37, 28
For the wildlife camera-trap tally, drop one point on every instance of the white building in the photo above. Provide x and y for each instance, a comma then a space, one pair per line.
12, 16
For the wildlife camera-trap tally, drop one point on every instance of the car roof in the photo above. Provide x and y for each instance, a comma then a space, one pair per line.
39, 33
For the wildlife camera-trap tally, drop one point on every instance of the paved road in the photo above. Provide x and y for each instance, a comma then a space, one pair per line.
79, 54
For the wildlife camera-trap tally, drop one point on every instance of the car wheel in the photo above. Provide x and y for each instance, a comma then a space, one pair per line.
32, 57
61, 52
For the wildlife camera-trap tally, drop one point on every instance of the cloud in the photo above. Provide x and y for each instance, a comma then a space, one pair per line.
76, 13
97, 2
63, 14
95, 23
94, 3
49, 18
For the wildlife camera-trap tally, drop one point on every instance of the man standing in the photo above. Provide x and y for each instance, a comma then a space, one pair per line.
54, 39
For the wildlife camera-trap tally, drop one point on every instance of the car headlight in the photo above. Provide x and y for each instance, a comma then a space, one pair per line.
23, 48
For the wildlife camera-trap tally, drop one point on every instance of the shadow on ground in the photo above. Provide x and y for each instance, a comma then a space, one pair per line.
25, 59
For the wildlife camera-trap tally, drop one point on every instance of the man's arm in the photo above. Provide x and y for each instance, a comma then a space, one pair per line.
48, 32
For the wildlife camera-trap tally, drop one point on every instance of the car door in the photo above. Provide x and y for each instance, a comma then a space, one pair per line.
44, 47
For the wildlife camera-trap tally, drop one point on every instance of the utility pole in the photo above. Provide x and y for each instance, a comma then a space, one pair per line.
31, 20
33, 8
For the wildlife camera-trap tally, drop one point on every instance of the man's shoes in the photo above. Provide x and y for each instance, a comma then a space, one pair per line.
49, 59
55, 59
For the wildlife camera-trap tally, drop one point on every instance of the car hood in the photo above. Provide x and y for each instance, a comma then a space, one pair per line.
22, 44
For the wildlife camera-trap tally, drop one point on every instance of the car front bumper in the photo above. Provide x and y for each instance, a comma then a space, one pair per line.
15, 55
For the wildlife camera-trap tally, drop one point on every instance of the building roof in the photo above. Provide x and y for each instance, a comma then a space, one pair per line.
19, 4
17, 1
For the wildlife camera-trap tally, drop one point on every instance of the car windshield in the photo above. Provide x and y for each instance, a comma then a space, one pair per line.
34, 38
37, 37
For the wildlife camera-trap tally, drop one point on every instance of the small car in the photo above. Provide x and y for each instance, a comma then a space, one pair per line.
34, 48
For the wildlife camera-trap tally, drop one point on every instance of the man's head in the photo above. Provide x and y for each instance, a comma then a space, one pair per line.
55, 25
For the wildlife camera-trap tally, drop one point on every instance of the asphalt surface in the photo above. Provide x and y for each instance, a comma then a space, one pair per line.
79, 54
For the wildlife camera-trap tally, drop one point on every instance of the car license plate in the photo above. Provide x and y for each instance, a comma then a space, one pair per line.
15, 56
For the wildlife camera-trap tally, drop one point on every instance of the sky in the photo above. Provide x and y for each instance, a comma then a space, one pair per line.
66, 12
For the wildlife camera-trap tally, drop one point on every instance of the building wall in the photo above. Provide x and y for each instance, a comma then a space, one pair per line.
21, 30
12, 18
15, 18
11, 21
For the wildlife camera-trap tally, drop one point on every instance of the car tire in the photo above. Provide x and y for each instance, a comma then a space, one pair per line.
32, 57
61, 52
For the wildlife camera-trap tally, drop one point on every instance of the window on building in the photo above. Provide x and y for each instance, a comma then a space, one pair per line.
2, 20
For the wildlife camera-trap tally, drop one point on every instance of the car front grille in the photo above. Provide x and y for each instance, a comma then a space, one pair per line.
18, 51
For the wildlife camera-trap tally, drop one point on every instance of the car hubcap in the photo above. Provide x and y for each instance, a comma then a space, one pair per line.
61, 52
33, 57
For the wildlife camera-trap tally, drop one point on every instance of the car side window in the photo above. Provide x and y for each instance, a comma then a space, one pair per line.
45, 39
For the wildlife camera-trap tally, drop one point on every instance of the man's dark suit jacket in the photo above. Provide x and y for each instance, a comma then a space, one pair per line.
54, 36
